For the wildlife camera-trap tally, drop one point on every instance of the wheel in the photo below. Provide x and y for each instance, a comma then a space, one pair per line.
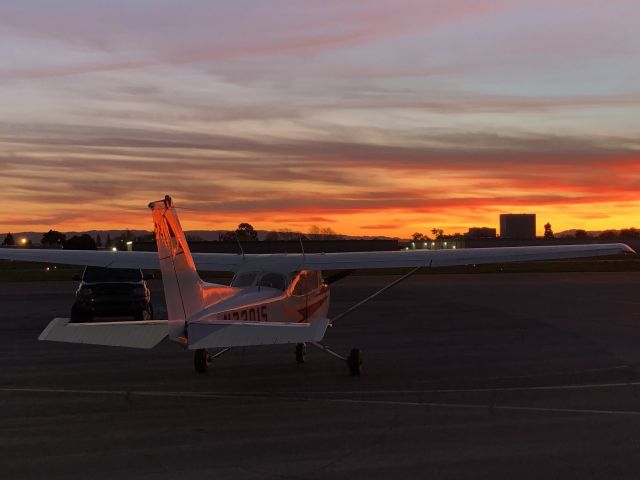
146, 314
355, 362
202, 360
301, 352
78, 316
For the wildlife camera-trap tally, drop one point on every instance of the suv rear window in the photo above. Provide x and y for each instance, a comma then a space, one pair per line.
101, 274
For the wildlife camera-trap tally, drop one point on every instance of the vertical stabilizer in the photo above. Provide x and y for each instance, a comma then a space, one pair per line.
183, 288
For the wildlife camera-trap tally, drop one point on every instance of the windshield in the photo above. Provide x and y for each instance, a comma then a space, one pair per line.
101, 274
272, 280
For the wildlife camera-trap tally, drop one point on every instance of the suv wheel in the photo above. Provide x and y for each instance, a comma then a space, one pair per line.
77, 316
146, 314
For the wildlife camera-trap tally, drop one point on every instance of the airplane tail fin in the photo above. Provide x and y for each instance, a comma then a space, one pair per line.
184, 290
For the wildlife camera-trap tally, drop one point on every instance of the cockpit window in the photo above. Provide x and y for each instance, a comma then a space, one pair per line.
272, 280
305, 282
244, 279
265, 279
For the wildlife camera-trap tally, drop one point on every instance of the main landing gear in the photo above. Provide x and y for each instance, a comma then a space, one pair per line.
353, 361
301, 352
202, 359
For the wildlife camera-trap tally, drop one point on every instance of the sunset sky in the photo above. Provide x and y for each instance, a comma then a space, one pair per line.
370, 117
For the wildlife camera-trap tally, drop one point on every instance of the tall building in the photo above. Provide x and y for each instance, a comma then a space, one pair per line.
518, 226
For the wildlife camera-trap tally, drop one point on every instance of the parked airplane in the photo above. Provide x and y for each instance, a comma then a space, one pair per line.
272, 299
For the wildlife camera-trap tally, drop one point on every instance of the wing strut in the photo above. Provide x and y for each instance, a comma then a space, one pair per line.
371, 297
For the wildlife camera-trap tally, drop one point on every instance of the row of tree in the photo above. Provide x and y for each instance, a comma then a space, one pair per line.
246, 233
56, 239
438, 234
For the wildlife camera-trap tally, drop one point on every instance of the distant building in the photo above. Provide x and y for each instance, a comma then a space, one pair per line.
481, 232
518, 226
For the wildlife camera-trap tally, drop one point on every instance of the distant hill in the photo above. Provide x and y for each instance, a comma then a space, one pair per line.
591, 233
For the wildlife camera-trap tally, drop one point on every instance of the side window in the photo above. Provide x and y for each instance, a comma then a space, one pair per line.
300, 284
306, 281
272, 280
313, 283
244, 279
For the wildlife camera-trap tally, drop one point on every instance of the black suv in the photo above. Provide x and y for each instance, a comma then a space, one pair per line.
112, 292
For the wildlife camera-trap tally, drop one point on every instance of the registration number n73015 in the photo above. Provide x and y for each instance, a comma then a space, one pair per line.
253, 314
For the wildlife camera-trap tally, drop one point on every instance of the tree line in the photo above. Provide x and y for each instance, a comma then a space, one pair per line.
244, 233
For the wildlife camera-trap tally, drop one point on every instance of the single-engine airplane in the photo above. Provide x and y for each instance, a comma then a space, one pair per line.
272, 299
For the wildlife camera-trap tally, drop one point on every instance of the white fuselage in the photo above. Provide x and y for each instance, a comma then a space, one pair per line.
304, 298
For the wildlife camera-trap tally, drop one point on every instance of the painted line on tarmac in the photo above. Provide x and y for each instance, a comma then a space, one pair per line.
563, 372
125, 393
249, 394
480, 390
293, 398
489, 407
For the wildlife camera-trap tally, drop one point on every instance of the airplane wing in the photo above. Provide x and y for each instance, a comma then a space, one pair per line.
94, 258
211, 262
433, 258
320, 261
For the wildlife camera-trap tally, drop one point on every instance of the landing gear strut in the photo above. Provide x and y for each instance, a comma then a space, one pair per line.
354, 360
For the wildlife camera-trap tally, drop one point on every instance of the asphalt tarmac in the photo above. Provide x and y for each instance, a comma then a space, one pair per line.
465, 376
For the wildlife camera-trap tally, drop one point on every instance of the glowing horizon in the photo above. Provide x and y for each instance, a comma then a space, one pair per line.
372, 120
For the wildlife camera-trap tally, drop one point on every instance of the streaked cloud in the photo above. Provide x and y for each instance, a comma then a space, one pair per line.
392, 117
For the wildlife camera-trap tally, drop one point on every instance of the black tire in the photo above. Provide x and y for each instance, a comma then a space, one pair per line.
201, 360
355, 362
146, 314
78, 316
301, 352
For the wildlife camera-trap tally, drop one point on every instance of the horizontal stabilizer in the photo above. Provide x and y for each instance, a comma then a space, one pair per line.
245, 334
135, 334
